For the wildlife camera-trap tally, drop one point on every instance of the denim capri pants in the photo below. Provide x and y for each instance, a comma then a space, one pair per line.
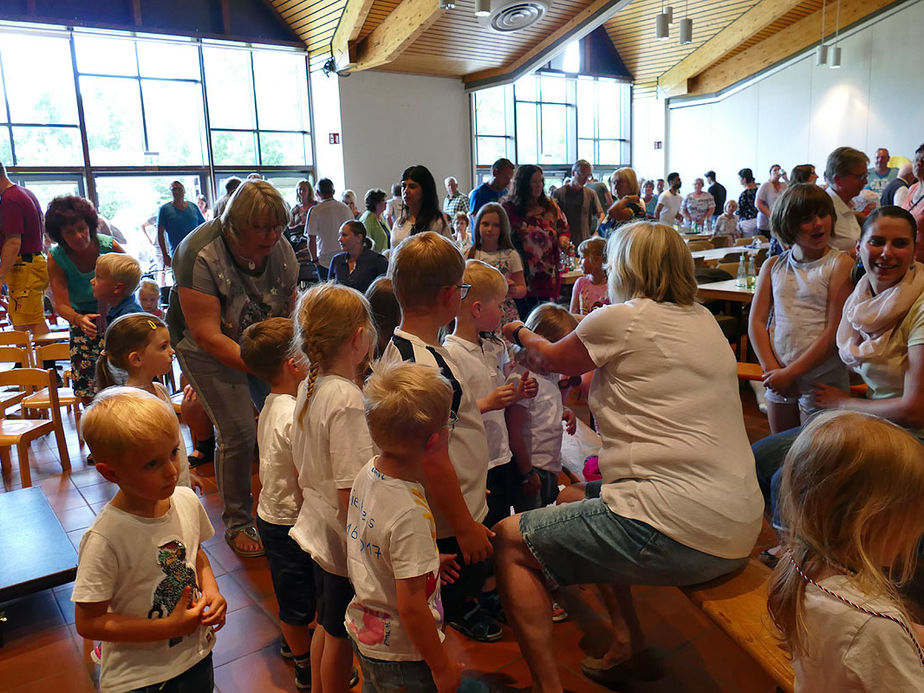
587, 543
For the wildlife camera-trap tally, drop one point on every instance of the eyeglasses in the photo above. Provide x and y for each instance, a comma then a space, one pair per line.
860, 176
463, 289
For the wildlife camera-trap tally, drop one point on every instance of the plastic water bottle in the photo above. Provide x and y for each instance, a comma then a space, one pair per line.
741, 280
694, 229
752, 272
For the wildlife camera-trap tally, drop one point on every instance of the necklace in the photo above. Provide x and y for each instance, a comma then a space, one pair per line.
251, 265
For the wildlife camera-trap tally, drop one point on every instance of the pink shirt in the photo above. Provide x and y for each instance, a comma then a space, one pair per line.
589, 295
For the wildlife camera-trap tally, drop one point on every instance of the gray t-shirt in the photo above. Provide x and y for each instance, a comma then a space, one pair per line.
203, 262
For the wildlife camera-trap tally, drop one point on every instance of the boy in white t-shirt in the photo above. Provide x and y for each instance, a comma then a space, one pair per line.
535, 424
426, 272
144, 586
395, 617
265, 349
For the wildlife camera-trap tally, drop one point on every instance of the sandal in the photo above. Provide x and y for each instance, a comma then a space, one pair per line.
769, 559
203, 453
642, 666
251, 533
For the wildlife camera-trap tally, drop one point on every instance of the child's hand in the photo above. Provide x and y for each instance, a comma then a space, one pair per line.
189, 395
449, 568
449, 678
185, 618
475, 543
502, 397
216, 609
570, 421
528, 387
780, 380
829, 397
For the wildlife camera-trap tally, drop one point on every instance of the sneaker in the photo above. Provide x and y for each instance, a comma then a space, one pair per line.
96, 654
284, 650
558, 614
491, 603
302, 676
478, 625
354, 677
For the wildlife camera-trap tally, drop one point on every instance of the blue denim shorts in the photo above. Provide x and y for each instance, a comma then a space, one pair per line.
380, 676
292, 572
587, 543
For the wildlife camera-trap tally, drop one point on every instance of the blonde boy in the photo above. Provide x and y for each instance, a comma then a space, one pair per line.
114, 285
149, 297
265, 350
394, 618
426, 272
144, 586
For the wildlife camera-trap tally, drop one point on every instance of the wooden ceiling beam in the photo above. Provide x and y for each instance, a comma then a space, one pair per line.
675, 81
577, 27
343, 44
794, 38
396, 32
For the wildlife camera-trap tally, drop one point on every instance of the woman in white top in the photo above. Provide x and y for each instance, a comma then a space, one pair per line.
767, 194
421, 210
678, 503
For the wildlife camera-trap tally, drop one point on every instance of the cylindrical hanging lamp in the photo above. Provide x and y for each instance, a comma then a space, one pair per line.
669, 11
482, 8
835, 58
447, 4
662, 26
822, 54
686, 30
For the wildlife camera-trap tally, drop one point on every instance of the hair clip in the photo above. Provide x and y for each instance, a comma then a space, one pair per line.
153, 324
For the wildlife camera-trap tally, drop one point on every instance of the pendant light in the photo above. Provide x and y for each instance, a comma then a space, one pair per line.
663, 22
822, 51
482, 8
836, 52
686, 27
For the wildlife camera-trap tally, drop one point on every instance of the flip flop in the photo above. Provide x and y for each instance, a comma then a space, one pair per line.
642, 666
768, 559
251, 533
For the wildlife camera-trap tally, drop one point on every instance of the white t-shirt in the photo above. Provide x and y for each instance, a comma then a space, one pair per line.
401, 231
324, 222
846, 231
543, 432
675, 451
391, 536
182, 457
468, 445
850, 651
140, 565
670, 206
329, 446
481, 368
280, 494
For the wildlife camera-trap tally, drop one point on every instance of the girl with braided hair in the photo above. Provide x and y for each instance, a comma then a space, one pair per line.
330, 444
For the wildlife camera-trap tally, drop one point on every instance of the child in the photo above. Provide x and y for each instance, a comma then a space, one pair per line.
144, 585
727, 224
492, 244
385, 311
590, 291
330, 444
139, 345
426, 272
265, 348
149, 297
853, 505
395, 618
535, 424
114, 285
797, 307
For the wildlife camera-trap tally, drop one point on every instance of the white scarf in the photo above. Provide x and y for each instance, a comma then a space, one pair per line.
868, 320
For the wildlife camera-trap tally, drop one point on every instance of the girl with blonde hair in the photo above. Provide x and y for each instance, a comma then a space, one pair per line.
330, 444
852, 502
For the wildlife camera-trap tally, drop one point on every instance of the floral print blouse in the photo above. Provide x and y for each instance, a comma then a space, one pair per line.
536, 237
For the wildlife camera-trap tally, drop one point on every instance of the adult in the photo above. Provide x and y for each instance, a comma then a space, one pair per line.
493, 189
896, 191
323, 227
649, 198
845, 171
203, 204
394, 206
718, 192
295, 231
304, 201
579, 203
175, 220
455, 201
670, 201
699, 205
22, 265
376, 229
421, 211
71, 222
232, 184
747, 204
628, 204
678, 503
803, 173
881, 174
602, 191
538, 230
348, 197
358, 265
914, 201
659, 187
880, 337
767, 194
229, 274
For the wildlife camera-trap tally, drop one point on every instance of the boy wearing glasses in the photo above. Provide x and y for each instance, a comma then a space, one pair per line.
426, 272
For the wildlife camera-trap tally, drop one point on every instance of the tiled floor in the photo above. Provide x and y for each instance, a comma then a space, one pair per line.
43, 652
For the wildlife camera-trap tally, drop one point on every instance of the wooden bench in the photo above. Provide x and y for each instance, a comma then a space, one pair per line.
737, 604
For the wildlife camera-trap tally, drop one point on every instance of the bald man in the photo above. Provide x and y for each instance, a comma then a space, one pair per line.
896, 191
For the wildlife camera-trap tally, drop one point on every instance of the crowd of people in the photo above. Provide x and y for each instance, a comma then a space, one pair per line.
392, 451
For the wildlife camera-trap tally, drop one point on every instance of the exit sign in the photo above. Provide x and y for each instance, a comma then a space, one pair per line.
658, 144
333, 138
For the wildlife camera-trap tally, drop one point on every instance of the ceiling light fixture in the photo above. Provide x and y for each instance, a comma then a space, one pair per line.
482, 8
822, 51
686, 27
663, 23
836, 53
447, 4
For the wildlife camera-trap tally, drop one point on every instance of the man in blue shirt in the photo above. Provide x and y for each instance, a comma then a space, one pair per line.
175, 220
492, 190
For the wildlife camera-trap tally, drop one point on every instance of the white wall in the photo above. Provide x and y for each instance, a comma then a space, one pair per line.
391, 121
325, 111
800, 113
648, 128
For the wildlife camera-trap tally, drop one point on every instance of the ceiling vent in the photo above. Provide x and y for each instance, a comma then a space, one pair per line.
513, 15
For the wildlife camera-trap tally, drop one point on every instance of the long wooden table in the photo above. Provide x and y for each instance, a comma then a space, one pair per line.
719, 253
727, 290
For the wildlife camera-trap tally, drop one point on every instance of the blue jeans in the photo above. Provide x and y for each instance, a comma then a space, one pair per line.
380, 676
199, 678
769, 454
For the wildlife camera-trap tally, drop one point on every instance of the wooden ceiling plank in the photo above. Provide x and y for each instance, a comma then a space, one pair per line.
396, 32
796, 37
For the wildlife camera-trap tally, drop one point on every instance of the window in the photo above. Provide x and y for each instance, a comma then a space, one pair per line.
493, 120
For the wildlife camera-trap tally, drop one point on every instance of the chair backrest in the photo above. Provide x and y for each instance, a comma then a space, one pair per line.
16, 354
699, 245
730, 267
31, 380
758, 238
14, 338
60, 351
761, 256
731, 257
721, 241
743, 241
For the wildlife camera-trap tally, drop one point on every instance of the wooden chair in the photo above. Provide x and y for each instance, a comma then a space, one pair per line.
721, 241
731, 256
21, 432
699, 245
730, 267
743, 241
758, 238
19, 356
17, 338
41, 401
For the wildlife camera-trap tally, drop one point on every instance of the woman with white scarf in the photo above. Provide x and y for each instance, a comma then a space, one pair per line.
880, 337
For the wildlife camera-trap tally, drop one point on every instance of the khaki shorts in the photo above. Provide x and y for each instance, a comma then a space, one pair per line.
27, 282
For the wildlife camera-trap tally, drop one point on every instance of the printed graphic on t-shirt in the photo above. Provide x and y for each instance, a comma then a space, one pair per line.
172, 560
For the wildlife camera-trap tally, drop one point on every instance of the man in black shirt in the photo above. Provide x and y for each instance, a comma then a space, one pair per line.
717, 190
